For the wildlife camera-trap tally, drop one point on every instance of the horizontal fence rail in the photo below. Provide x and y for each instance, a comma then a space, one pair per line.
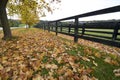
108, 30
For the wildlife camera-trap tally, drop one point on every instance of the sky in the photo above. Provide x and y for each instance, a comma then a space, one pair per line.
69, 8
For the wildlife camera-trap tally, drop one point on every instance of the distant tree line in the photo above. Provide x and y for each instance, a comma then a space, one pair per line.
42, 23
13, 23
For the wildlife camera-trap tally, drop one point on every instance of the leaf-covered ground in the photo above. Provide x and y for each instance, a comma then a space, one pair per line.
96, 45
33, 54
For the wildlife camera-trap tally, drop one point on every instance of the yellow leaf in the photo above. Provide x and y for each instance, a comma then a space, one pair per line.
95, 63
37, 77
51, 66
98, 55
86, 59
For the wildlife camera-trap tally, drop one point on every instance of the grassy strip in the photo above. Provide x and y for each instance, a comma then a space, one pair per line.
96, 60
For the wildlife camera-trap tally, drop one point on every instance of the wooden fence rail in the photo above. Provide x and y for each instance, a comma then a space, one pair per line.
92, 29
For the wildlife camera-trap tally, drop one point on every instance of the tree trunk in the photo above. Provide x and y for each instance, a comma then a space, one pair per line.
28, 26
4, 20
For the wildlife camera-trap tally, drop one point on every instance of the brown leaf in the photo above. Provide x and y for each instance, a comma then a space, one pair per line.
68, 73
108, 60
51, 66
86, 59
37, 77
85, 71
85, 77
1, 67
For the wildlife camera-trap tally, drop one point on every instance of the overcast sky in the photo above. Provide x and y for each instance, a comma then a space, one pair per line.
75, 7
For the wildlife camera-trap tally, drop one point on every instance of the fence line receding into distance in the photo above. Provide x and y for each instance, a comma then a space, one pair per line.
100, 31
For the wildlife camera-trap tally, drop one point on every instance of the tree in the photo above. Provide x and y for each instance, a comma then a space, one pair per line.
0, 23
26, 12
30, 10
22, 8
4, 19
28, 15
30, 19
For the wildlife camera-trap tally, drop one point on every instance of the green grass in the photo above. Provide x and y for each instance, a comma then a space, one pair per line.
65, 30
103, 70
44, 71
21, 25
45, 59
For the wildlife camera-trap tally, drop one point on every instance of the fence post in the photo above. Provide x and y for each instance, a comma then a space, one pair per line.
115, 33
83, 29
44, 26
61, 27
56, 29
51, 27
48, 27
76, 30
69, 28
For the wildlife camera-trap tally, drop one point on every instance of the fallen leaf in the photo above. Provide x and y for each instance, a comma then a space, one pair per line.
69, 73
98, 55
85, 77
95, 63
117, 72
1, 67
108, 60
37, 77
86, 59
51, 66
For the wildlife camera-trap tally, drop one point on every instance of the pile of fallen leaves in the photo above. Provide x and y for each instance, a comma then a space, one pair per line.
34, 54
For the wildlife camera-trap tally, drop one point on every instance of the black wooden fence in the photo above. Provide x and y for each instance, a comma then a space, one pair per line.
106, 32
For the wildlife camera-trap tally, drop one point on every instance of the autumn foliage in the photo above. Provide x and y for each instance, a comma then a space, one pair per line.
39, 55
30, 11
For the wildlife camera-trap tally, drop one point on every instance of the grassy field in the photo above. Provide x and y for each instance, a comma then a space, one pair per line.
65, 30
34, 54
